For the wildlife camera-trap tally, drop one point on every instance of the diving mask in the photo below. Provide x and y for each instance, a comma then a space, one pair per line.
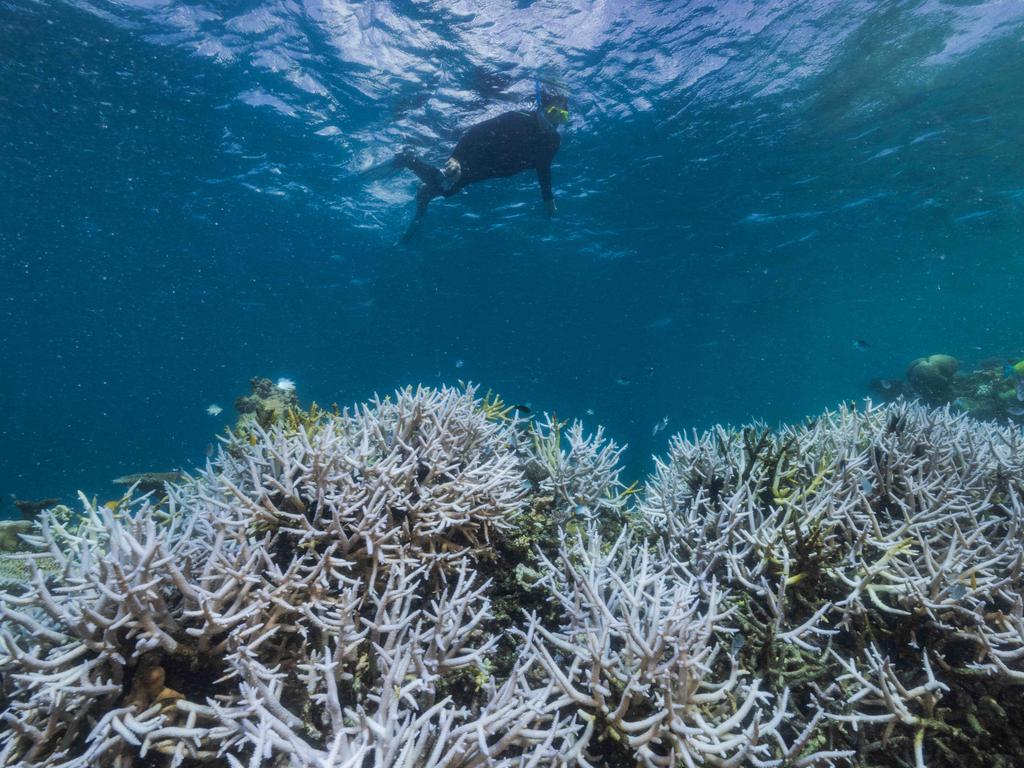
557, 114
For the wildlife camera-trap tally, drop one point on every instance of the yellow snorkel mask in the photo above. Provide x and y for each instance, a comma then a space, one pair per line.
557, 114
553, 106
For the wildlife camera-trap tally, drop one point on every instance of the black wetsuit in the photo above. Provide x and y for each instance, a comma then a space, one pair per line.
504, 146
499, 147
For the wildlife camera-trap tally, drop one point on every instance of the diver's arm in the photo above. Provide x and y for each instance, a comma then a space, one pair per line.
544, 177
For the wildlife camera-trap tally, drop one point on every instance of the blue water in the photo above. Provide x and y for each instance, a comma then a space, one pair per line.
745, 189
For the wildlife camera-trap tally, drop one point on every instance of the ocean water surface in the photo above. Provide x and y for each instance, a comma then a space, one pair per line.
762, 206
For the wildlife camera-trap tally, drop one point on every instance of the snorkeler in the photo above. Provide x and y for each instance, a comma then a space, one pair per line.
499, 147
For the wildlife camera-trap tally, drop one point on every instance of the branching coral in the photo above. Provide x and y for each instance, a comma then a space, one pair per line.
311, 591
345, 589
891, 540
639, 655
583, 477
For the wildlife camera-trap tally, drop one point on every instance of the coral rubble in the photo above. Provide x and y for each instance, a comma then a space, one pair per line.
429, 580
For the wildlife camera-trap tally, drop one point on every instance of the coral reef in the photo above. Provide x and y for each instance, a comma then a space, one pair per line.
9, 532
932, 377
267, 405
879, 553
145, 482
30, 509
429, 580
15, 552
991, 390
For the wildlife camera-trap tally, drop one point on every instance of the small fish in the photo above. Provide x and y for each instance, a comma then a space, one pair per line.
860, 345
659, 426
521, 408
286, 385
589, 411
213, 409
459, 363
623, 381
957, 591
886, 384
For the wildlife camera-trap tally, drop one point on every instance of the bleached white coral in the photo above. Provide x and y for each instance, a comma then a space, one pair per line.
583, 476
301, 577
343, 592
897, 523
638, 653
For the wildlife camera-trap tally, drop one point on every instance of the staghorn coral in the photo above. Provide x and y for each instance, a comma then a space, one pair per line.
309, 599
879, 555
582, 478
422, 580
641, 655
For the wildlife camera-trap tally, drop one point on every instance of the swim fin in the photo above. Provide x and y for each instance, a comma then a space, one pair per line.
379, 171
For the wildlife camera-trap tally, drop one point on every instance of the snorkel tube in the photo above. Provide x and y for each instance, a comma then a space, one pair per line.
541, 117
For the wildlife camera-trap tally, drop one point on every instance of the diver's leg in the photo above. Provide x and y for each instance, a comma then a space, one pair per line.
423, 198
430, 175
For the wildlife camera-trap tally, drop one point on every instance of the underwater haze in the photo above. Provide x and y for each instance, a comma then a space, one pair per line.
762, 207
